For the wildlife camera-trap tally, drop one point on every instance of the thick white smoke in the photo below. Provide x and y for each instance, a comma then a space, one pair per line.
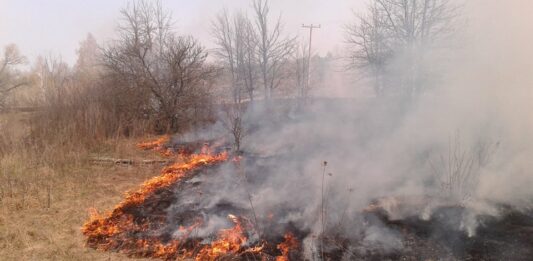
386, 147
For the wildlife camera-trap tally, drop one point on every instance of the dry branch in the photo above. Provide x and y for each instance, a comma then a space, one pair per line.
103, 160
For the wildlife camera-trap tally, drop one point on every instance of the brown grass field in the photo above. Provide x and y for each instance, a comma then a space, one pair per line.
45, 197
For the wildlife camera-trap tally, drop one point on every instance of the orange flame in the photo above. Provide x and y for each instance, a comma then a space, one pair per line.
111, 230
229, 242
156, 145
100, 229
289, 243
170, 175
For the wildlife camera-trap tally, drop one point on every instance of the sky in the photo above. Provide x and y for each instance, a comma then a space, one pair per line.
55, 27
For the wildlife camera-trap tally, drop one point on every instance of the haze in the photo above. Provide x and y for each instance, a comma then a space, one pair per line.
56, 27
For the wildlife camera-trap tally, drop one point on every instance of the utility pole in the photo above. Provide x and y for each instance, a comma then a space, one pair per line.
311, 27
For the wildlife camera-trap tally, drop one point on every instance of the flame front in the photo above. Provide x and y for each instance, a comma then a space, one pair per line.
170, 175
155, 145
289, 243
101, 229
131, 227
229, 241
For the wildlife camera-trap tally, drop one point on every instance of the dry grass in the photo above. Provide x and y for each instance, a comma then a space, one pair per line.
45, 193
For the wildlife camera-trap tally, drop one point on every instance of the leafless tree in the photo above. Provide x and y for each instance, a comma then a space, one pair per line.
166, 71
458, 170
254, 50
247, 54
237, 46
417, 21
232, 120
253, 53
371, 50
74, 102
398, 29
54, 80
10, 78
274, 49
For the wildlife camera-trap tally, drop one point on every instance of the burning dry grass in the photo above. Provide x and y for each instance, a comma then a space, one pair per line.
289, 243
113, 230
229, 242
140, 226
47, 190
102, 230
155, 145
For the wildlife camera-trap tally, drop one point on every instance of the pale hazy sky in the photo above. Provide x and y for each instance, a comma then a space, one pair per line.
56, 27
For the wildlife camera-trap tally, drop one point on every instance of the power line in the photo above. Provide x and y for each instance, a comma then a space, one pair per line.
310, 27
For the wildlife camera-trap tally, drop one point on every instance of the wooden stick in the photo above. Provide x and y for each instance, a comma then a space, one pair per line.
128, 161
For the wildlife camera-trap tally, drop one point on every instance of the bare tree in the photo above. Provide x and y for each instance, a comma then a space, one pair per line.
254, 51
223, 33
368, 38
10, 78
165, 69
417, 21
235, 38
55, 79
398, 30
232, 120
75, 103
274, 49
247, 54
458, 170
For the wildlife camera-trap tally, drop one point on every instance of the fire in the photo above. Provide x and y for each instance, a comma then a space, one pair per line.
102, 230
170, 175
133, 225
156, 145
229, 242
289, 243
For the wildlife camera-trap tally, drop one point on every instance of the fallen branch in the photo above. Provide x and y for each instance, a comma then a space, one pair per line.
127, 161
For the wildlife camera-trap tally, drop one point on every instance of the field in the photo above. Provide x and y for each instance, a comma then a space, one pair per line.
44, 201
266, 130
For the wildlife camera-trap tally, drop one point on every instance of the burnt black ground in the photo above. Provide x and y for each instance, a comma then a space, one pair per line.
506, 237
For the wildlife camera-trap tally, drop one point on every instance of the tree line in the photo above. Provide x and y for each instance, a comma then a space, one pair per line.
150, 78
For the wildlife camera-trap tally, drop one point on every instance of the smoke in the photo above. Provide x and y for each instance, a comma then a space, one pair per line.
338, 155
497, 76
